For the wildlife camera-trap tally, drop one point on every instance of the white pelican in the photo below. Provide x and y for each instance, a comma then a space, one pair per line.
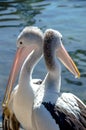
54, 110
21, 100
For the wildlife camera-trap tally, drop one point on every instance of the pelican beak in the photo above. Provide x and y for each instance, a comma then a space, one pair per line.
20, 56
67, 61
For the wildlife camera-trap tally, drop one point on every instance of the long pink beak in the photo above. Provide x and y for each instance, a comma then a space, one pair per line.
64, 57
20, 56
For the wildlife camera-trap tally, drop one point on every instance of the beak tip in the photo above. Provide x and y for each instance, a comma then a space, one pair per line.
78, 75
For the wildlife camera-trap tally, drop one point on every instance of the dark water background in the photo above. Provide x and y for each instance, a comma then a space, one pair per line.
67, 16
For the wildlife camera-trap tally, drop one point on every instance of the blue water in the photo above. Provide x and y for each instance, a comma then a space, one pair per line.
67, 16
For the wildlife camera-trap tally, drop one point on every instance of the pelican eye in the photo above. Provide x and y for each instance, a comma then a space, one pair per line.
21, 43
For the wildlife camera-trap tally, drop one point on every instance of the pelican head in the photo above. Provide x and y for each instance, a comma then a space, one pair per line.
30, 35
53, 45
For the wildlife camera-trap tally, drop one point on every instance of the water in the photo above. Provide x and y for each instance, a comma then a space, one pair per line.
69, 17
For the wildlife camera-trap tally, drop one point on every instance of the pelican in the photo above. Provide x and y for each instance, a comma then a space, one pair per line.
41, 109
29, 52
54, 110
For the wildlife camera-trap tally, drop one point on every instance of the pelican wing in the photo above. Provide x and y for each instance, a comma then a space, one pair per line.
67, 113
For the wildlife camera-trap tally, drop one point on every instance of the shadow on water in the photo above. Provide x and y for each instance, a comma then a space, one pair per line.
17, 10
